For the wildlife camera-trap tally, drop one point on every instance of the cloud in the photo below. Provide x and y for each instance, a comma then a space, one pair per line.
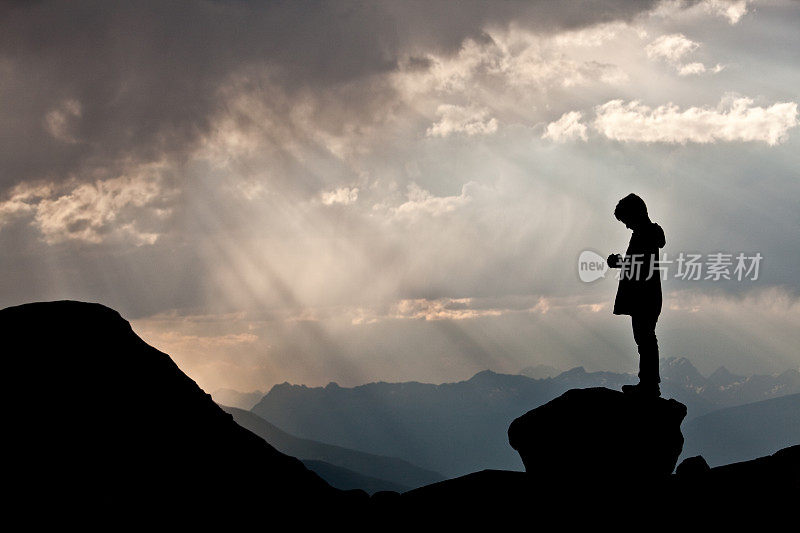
568, 127
591, 37
467, 120
469, 308
514, 59
440, 309
175, 341
734, 119
419, 201
342, 195
673, 49
93, 212
149, 77
733, 10
22, 200
59, 121
698, 68
754, 333
261, 113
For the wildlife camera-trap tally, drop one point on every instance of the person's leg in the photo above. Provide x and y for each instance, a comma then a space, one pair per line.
644, 333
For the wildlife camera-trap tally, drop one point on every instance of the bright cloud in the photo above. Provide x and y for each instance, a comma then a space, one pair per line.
735, 119
22, 200
733, 10
671, 47
698, 68
467, 120
440, 309
342, 195
89, 212
568, 127
422, 201
516, 58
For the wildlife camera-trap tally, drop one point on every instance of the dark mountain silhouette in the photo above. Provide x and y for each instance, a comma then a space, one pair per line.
457, 428
393, 472
597, 456
744, 432
760, 491
158, 444
155, 441
478, 499
235, 398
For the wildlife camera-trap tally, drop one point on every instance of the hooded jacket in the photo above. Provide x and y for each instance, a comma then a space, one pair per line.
639, 290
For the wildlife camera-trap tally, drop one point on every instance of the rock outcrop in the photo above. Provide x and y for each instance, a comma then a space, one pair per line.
600, 434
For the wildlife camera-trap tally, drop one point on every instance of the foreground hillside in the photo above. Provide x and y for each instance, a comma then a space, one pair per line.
159, 449
744, 432
381, 473
156, 440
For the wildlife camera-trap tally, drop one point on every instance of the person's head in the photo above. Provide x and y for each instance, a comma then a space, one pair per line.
631, 211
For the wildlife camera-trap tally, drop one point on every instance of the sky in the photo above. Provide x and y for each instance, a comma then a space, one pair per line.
390, 191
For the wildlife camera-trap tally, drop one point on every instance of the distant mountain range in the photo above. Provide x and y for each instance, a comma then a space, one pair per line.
540, 371
457, 428
454, 428
342, 468
234, 398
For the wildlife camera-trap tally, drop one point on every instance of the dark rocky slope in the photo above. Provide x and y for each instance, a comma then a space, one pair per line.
397, 474
156, 441
597, 456
159, 443
744, 432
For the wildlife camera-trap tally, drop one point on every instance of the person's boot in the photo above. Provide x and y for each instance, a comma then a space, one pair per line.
645, 389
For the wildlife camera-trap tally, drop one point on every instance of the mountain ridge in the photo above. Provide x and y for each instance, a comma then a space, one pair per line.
452, 427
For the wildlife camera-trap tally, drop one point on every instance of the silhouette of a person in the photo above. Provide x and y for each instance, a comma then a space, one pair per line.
639, 291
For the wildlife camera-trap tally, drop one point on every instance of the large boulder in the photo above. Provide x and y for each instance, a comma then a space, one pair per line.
600, 434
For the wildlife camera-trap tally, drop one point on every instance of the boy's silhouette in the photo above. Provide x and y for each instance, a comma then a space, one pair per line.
639, 292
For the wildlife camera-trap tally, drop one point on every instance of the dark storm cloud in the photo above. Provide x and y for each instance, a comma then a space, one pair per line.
90, 87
